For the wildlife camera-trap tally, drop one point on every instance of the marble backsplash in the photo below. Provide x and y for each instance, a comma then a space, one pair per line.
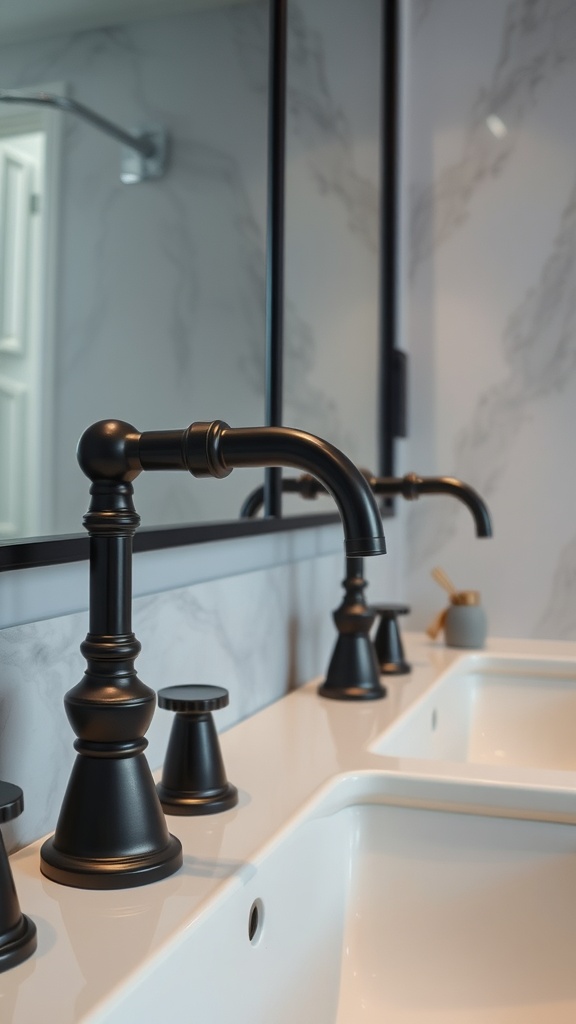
237, 632
258, 633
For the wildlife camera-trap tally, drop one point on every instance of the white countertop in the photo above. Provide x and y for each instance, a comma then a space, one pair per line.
91, 942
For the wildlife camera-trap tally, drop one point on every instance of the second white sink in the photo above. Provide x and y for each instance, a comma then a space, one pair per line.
363, 913
493, 710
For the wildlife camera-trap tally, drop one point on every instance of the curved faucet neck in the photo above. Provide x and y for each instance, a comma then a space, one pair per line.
115, 450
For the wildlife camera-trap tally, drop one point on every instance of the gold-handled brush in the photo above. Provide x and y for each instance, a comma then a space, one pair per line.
446, 583
444, 580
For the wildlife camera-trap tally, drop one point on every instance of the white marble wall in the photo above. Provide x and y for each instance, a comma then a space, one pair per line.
490, 302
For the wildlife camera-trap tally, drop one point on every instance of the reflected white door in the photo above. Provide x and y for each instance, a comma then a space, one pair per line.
21, 175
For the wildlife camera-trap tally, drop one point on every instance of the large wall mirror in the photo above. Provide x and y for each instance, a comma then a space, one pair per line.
146, 301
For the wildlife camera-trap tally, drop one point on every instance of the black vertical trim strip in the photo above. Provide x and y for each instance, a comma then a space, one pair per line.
389, 195
275, 240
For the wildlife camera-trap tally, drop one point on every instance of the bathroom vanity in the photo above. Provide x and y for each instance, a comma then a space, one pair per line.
374, 867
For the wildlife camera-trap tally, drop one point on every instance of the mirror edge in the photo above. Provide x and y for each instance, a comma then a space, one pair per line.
35, 552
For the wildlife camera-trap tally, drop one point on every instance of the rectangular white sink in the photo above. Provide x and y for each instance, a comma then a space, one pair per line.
493, 710
369, 913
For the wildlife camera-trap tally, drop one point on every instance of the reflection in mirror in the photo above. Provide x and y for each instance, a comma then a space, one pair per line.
145, 303
332, 354
26, 155
151, 299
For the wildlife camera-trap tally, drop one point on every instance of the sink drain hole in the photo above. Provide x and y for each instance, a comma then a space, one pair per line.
255, 921
434, 719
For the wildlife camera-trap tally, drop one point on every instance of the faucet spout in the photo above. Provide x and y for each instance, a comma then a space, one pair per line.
273, 446
114, 450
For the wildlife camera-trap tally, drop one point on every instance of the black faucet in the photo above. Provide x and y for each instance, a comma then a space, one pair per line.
354, 670
111, 831
356, 665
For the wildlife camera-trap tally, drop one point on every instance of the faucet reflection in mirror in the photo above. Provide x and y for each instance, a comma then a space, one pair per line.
111, 831
354, 670
354, 650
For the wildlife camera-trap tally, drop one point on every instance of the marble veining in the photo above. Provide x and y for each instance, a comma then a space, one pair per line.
490, 312
538, 348
322, 129
332, 184
259, 634
538, 38
419, 11
317, 123
166, 274
558, 618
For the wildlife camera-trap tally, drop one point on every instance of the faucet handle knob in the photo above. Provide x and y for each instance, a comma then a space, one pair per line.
11, 801
193, 778
388, 642
18, 938
192, 699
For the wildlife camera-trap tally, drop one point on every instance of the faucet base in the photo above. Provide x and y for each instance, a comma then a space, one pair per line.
14, 951
352, 693
111, 872
111, 833
198, 803
353, 672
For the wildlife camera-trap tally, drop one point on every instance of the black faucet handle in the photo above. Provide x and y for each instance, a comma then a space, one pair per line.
193, 778
388, 642
390, 611
18, 939
191, 700
11, 801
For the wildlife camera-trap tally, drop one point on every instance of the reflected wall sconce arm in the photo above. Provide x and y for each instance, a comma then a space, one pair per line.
144, 154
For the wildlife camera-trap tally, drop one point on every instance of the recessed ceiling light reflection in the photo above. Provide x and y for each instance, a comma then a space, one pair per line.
496, 126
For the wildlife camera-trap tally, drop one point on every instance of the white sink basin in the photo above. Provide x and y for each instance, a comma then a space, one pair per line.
493, 710
370, 913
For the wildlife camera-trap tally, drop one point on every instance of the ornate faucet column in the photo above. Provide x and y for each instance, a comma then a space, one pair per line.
111, 833
353, 672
